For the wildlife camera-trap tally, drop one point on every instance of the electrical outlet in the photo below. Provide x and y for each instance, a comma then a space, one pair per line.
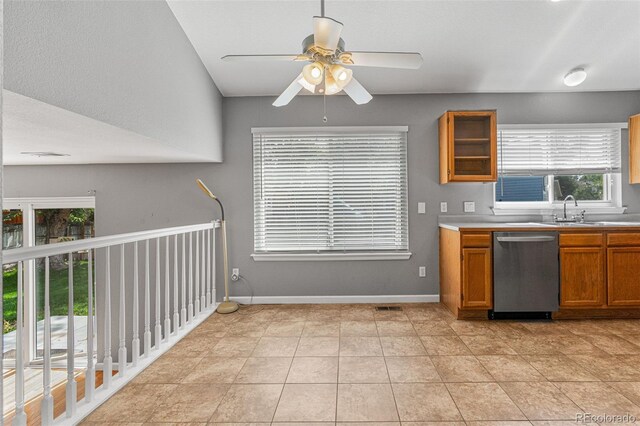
443, 207
422, 207
422, 271
469, 207
235, 274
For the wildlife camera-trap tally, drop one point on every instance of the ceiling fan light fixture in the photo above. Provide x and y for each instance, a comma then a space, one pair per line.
341, 75
313, 73
331, 86
575, 77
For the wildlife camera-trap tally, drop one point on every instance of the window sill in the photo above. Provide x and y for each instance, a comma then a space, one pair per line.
512, 211
298, 257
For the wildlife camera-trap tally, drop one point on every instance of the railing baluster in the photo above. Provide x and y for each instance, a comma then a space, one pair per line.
71, 388
190, 313
147, 303
194, 296
176, 315
203, 273
46, 410
90, 375
167, 314
107, 363
209, 302
183, 311
122, 330
20, 417
196, 283
135, 342
213, 266
158, 329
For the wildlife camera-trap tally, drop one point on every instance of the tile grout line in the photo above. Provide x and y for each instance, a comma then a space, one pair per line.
393, 393
335, 415
228, 389
442, 380
273, 416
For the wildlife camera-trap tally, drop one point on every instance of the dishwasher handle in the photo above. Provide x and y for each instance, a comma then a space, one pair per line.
532, 239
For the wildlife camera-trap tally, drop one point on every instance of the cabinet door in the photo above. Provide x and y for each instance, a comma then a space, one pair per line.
634, 149
582, 277
476, 278
623, 276
472, 146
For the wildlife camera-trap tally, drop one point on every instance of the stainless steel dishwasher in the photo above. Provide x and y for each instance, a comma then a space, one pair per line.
525, 272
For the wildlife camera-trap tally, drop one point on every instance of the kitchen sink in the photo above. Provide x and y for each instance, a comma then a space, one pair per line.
571, 224
530, 224
612, 223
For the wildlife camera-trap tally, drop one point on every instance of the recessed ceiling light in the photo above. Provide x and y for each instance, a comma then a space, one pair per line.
575, 77
44, 154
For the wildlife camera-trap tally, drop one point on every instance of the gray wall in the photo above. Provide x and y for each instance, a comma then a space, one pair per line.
126, 63
137, 197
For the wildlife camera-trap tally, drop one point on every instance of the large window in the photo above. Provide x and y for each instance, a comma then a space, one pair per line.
539, 166
330, 190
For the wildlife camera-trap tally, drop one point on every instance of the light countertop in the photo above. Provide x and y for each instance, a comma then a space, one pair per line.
538, 226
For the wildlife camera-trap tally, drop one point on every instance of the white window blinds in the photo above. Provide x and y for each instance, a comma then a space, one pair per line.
558, 151
330, 189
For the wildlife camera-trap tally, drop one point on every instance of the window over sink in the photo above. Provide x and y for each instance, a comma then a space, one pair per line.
540, 165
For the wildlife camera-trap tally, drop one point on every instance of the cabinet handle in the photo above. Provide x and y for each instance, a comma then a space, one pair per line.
525, 239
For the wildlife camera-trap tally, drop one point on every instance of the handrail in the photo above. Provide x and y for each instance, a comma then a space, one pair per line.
28, 253
121, 266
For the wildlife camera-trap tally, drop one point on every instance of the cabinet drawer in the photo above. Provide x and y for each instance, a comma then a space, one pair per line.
624, 239
581, 240
476, 240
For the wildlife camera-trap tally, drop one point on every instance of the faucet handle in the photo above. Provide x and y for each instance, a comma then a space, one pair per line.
582, 214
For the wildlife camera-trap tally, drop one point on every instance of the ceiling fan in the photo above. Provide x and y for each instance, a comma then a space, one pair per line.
326, 73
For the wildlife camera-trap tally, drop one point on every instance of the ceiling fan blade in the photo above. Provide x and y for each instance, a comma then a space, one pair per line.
407, 60
326, 33
357, 92
252, 58
289, 93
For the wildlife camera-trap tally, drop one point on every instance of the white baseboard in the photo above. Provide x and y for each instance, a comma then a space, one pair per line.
284, 300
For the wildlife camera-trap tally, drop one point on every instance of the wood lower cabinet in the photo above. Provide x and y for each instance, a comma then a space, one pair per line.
466, 272
623, 276
582, 277
582, 270
477, 278
599, 272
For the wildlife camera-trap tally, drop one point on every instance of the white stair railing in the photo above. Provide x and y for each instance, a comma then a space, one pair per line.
193, 300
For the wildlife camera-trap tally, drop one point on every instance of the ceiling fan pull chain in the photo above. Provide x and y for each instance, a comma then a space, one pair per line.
324, 102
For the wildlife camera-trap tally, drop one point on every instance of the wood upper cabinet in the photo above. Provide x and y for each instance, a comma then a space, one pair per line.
634, 149
477, 278
468, 146
623, 269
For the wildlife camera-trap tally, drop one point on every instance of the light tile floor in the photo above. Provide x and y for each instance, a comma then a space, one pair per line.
326, 364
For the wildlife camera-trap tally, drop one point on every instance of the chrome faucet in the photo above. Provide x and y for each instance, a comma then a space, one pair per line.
569, 197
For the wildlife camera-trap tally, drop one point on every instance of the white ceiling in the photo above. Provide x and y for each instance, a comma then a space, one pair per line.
30, 125
468, 46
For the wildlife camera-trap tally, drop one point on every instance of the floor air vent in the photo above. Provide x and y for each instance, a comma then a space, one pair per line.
388, 308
